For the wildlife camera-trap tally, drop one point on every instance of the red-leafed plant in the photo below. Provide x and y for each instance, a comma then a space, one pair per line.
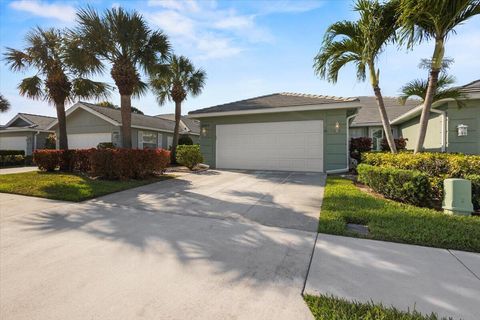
358, 146
47, 160
400, 143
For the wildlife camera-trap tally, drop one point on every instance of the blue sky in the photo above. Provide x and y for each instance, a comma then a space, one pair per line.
248, 48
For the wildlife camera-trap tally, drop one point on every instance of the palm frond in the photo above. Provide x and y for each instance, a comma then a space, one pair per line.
140, 89
88, 89
4, 104
32, 88
16, 60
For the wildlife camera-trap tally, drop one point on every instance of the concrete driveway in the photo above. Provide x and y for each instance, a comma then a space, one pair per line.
217, 245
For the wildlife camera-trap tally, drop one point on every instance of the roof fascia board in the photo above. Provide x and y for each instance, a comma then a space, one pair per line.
328, 106
26, 130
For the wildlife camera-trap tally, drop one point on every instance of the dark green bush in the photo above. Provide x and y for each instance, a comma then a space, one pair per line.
105, 145
12, 152
409, 186
189, 155
185, 140
475, 179
12, 158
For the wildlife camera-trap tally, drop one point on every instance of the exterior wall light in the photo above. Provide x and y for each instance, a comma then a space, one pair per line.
337, 127
462, 130
204, 131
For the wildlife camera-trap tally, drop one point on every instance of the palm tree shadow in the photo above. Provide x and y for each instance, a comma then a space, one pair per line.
194, 227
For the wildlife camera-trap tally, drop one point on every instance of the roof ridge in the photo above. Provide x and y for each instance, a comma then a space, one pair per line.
335, 98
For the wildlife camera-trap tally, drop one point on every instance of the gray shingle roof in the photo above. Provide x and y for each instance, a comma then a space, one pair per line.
368, 114
275, 100
192, 124
40, 122
473, 86
137, 119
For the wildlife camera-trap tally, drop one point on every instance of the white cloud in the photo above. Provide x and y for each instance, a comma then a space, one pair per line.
39, 8
186, 5
174, 23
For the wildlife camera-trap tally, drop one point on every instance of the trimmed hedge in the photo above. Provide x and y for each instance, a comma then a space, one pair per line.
12, 152
105, 163
409, 186
437, 166
189, 155
12, 160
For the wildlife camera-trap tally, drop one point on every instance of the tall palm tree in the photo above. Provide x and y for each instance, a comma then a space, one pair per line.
419, 88
174, 82
55, 80
360, 43
422, 20
4, 104
123, 40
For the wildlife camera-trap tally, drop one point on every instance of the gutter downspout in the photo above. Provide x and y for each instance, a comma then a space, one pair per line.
443, 126
348, 147
34, 147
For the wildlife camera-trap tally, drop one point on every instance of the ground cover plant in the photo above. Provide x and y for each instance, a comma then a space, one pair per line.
388, 220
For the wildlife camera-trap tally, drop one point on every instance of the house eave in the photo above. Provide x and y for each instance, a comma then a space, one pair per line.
25, 130
329, 106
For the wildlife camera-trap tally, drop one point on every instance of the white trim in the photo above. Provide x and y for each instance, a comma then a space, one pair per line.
153, 129
328, 106
443, 127
18, 116
24, 130
348, 148
81, 106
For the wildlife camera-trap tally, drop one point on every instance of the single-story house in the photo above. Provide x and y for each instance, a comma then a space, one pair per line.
452, 127
368, 122
26, 132
89, 124
281, 131
188, 125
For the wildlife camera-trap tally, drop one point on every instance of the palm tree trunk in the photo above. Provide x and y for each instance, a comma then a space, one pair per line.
427, 106
178, 114
385, 122
62, 125
126, 110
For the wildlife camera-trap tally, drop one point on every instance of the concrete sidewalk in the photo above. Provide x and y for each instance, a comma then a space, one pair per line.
446, 282
18, 170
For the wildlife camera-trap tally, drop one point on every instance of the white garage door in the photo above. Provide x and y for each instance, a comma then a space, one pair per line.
87, 140
13, 143
289, 146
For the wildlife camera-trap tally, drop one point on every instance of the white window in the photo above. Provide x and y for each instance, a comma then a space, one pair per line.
377, 136
169, 142
147, 140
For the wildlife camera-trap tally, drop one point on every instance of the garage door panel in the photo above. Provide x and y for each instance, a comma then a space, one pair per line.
13, 143
289, 146
88, 140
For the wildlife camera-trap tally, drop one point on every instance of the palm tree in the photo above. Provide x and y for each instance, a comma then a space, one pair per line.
55, 80
174, 82
360, 43
422, 20
123, 40
419, 88
4, 104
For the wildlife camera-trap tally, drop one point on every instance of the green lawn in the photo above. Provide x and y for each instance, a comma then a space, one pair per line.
392, 221
65, 186
330, 308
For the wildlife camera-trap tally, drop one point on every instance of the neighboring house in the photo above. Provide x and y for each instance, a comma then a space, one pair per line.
26, 132
451, 127
89, 124
282, 131
188, 125
368, 123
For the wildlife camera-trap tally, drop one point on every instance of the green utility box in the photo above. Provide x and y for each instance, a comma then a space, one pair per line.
457, 197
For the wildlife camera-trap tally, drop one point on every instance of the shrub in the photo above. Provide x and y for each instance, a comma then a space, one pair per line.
12, 152
400, 143
47, 160
410, 186
185, 140
50, 141
12, 160
128, 164
358, 146
475, 179
189, 155
106, 145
